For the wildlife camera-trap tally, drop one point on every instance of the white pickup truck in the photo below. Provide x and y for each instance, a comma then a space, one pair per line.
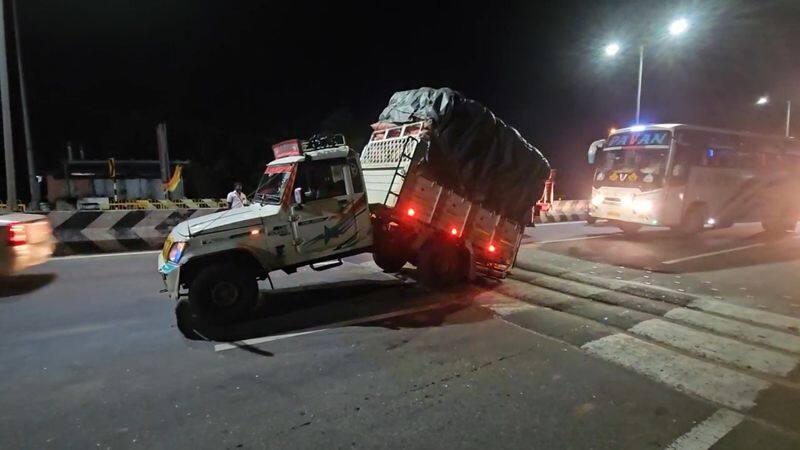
318, 203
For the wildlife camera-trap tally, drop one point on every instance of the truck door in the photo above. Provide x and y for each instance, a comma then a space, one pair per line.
326, 220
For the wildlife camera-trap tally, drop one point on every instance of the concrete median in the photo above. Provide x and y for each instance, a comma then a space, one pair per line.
86, 232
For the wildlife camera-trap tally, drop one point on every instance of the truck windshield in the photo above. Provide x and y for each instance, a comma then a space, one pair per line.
270, 189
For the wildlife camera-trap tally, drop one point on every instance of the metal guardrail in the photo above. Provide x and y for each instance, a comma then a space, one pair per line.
20, 207
170, 204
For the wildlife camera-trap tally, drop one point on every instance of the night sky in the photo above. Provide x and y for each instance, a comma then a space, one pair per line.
231, 77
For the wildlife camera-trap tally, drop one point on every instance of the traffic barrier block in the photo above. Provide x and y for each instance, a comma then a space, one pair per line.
80, 232
564, 211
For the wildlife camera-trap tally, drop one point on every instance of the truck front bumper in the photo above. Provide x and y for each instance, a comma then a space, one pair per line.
170, 276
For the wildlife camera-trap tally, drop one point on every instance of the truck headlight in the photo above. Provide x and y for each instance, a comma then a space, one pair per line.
176, 251
642, 205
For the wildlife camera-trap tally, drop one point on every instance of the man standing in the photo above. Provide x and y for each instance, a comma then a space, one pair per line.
236, 198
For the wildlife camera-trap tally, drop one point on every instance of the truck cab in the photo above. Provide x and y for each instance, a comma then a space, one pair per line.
310, 207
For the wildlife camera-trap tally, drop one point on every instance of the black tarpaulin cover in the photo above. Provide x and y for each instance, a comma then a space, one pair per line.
472, 151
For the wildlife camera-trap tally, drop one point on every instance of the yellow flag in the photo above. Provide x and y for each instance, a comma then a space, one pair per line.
173, 182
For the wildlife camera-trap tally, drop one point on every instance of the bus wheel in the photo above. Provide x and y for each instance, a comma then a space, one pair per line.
693, 221
439, 265
629, 228
778, 226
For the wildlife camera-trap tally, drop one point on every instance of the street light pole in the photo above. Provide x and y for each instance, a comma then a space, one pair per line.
32, 181
5, 98
639, 88
788, 116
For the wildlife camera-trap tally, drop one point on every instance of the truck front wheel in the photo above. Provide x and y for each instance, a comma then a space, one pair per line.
223, 293
388, 251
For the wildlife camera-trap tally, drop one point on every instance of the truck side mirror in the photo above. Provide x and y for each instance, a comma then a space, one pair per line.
596, 146
298, 195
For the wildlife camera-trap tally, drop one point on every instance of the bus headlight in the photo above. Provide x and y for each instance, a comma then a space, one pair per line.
642, 205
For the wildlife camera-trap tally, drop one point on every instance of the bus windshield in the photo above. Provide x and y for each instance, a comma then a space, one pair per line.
632, 166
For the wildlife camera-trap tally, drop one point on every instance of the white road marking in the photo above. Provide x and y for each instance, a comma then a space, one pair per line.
345, 323
547, 224
736, 329
717, 348
746, 314
104, 255
706, 380
718, 252
578, 238
705, 434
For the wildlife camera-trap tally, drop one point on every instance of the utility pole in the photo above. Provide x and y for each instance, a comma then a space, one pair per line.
639, 85
32, 181
5, 98
788, 116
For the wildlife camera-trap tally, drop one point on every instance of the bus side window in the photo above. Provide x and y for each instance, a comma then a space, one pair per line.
751, 160
719, 157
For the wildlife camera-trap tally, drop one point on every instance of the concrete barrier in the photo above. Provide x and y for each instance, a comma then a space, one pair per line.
565, 211
81, 232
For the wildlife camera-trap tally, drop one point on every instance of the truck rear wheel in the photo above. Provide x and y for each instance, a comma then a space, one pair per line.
440, 264
223, 293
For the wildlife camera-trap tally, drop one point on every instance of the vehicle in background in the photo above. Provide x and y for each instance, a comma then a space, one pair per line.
318, 203
690, 177
25, 240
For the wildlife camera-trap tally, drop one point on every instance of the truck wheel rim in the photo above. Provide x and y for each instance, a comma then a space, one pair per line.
224, 294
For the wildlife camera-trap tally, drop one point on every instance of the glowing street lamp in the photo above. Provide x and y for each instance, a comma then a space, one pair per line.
676, 28
611, 49
763, 100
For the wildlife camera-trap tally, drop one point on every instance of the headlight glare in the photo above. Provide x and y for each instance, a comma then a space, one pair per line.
642, 205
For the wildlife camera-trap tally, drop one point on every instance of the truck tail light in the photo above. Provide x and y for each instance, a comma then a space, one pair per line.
454, 231
17, 234
411, 212
492, 248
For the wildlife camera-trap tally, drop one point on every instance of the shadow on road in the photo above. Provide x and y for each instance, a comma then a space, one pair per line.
664, 251
334, 304
24, 284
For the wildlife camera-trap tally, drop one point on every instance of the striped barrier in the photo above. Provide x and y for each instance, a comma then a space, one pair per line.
564, 211
81, 232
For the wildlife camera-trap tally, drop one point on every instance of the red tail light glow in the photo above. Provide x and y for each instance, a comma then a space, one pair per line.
492, 248
411, 212
17, 235
454, 231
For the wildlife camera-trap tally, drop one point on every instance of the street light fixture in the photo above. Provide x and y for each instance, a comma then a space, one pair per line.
763, 100
612, 49
677, 27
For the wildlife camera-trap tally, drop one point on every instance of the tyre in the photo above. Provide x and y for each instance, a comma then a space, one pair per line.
629, 228
776, 226
440, 264
693, 221
591, 220
223, 293
388, 253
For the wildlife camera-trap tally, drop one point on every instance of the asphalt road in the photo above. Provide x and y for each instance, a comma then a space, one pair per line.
576, 350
